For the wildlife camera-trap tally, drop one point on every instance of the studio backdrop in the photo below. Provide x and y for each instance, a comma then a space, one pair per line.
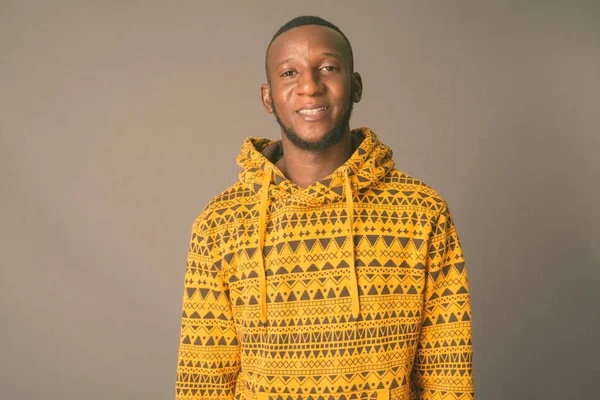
120, 120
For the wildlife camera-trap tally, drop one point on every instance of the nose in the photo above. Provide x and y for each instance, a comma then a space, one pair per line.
309, 84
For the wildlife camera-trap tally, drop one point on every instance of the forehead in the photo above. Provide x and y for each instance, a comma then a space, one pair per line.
302, 41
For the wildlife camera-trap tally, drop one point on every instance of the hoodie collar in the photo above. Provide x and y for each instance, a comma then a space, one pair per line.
370, 162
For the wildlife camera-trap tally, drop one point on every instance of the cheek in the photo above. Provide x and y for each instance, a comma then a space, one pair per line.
283, 102
343, 99
286, 95
341, 91
282, 91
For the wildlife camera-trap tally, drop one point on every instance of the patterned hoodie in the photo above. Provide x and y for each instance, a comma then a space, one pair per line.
352, 288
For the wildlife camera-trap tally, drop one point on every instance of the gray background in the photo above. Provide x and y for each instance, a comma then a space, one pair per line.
119, 120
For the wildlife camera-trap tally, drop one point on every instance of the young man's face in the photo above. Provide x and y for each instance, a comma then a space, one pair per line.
311, 87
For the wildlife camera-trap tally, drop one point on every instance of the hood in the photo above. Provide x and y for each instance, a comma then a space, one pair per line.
369, 164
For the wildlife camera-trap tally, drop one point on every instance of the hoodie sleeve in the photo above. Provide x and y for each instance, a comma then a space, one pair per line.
209, 352
443, 360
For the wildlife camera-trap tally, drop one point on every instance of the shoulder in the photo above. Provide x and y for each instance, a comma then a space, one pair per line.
218, 211
414, 191
426, 202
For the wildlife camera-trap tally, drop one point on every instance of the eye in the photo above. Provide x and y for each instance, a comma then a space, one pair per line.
329, 68
288, 73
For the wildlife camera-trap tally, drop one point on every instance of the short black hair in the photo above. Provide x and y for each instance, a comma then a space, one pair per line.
304, 20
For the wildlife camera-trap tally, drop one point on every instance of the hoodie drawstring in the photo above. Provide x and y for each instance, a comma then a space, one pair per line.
262, 228
353, 279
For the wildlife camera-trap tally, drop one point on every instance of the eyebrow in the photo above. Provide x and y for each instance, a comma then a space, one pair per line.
336, 55
326, 53
283, 62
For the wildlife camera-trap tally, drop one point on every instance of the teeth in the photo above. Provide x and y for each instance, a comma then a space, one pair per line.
308, 111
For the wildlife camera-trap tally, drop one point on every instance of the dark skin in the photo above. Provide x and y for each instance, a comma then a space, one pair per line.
311, 86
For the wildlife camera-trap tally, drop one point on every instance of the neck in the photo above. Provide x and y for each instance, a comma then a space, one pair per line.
304, 168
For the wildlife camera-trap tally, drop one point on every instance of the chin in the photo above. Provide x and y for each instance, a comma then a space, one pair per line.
312, 137
315, 132
315, 141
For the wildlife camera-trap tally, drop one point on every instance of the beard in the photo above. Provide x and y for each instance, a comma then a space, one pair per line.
332, 137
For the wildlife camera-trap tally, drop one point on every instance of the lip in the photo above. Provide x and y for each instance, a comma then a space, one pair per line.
313, 116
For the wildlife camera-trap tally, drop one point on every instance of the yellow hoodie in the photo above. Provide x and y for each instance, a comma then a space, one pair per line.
352, 288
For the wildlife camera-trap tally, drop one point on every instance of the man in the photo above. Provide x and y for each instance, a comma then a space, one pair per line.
324, 273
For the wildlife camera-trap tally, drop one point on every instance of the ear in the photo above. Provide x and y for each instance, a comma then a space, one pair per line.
357, 87
265, 96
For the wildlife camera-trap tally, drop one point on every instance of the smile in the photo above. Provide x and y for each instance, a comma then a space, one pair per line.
313, 114
312, 111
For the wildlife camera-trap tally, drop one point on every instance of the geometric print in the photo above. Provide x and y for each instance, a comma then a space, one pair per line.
363, 292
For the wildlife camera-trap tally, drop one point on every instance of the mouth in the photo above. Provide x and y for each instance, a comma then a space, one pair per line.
312, 113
